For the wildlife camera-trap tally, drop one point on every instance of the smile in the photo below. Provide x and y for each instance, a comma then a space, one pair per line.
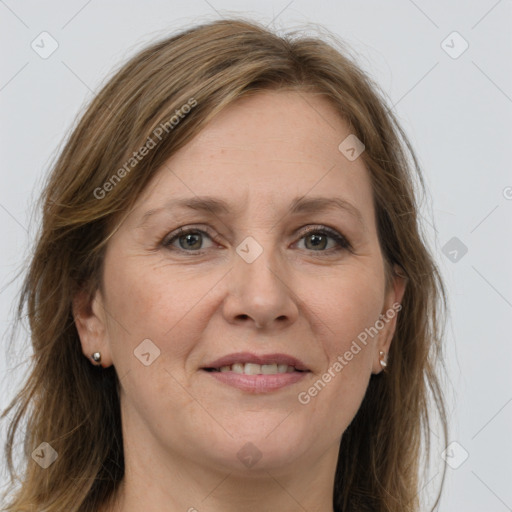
255, 369
257, 373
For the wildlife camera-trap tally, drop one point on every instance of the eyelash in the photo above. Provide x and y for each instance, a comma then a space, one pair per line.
343, 243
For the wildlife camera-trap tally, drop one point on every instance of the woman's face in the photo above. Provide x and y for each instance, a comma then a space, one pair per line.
278, 266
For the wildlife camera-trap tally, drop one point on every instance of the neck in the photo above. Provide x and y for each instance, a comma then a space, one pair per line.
171, 484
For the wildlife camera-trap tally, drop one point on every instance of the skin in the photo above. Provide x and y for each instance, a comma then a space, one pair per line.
182, 428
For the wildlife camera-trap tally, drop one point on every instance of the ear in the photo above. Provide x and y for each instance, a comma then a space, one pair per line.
90, 320
388, 317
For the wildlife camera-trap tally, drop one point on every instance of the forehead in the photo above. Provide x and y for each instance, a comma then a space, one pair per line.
302, 127
266, 150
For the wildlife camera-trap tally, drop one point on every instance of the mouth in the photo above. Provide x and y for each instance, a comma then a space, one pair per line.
255, 369
257, 373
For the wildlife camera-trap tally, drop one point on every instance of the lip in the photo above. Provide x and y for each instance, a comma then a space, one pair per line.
257, 383
249, 357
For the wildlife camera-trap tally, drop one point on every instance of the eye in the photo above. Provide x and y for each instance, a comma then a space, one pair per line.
323, 239
315, 238
187, 239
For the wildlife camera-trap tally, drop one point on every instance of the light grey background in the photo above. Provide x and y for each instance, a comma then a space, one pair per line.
456, 111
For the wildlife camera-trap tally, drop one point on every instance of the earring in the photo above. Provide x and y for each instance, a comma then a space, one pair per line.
96, 357
382, 360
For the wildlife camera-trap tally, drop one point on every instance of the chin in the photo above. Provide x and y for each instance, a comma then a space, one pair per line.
252, 450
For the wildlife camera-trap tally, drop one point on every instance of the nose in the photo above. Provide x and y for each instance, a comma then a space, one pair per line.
260, 293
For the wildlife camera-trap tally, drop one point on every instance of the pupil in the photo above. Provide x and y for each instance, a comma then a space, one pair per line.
191, 240
317, 240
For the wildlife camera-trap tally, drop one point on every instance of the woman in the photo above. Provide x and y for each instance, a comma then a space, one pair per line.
231, 304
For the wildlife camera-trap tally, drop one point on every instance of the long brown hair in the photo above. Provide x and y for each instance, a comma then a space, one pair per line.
73, 405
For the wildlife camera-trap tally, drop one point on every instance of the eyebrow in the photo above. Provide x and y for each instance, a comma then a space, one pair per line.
216, 206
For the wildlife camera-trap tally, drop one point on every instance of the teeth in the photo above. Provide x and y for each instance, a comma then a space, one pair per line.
252, 369
269, 369
237, 368
281, 368
257, 369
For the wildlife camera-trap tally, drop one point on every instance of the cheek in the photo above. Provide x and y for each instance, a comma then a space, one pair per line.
155, 303
350, 304
346, 309
143, 305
